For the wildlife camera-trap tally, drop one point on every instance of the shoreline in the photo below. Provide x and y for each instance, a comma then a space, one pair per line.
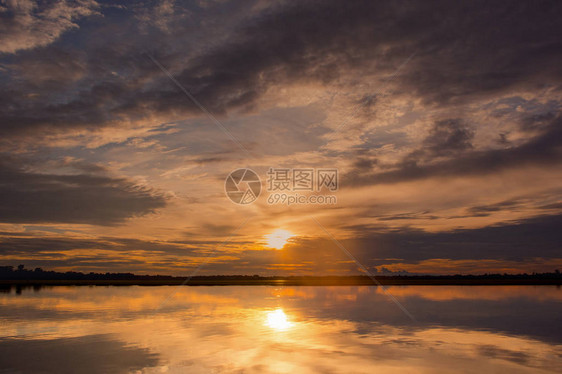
287, 282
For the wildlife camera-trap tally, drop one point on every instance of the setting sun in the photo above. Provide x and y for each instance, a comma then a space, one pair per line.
278, 238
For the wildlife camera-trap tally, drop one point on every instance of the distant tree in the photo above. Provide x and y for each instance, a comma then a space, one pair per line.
20, 267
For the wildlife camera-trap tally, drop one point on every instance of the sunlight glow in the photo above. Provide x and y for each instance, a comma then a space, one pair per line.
278, 238
278, 320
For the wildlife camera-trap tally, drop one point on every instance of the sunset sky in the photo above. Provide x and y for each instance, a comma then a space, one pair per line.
119, 123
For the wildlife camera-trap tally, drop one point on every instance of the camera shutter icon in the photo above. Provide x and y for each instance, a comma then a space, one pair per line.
242, 186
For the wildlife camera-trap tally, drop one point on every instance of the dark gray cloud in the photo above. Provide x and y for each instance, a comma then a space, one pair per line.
464, 50
32, 197
22, 244
486, 210
447, 137
543, 149
537, 237
29, 24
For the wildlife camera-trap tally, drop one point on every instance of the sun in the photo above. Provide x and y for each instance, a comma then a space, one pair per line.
278, 238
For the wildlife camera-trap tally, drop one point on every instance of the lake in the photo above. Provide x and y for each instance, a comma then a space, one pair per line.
265, 329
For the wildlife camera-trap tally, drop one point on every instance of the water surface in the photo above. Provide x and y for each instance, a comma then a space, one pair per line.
261, 329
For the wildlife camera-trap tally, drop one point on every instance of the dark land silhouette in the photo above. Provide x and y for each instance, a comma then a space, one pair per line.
19, 275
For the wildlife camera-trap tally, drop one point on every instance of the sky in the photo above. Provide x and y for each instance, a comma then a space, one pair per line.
121, 121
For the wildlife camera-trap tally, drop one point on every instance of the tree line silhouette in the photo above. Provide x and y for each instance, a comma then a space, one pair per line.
20, 273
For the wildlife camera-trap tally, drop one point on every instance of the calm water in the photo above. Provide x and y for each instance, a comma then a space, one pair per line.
479, 329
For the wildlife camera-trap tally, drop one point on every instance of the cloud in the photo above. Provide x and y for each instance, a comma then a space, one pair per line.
32, 197
462, 49
28, 24
463, 52
517, 241
544, 150
447, 137
484, 210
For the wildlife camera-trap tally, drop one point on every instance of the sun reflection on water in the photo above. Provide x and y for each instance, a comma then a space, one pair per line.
259, 327
277, 320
